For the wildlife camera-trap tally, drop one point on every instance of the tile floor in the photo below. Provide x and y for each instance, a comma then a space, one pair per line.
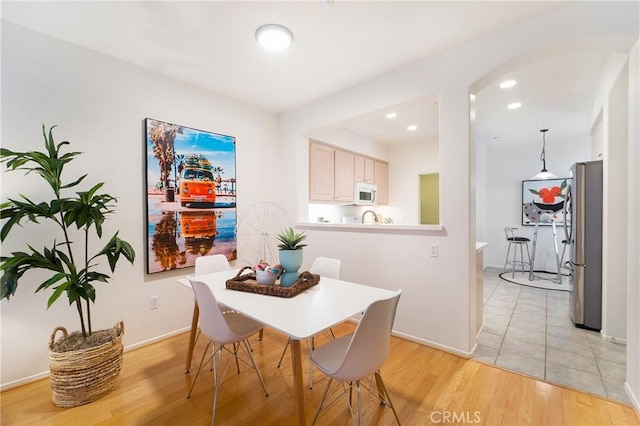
529, 330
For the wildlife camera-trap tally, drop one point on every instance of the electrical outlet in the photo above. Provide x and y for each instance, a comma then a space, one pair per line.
434, 250
153, 303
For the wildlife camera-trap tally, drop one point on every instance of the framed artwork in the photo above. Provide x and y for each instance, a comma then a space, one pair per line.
543, 201
190, 195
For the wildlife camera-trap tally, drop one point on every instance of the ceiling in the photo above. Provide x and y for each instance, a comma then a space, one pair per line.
211, 45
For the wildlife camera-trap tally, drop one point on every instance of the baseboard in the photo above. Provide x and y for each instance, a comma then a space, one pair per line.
45, 374
24, 381
635, 399
434, 345
612, 339
429, 343
156, 339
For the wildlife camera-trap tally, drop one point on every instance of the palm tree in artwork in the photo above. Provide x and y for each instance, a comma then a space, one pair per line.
218, 170
162, 136
178, 165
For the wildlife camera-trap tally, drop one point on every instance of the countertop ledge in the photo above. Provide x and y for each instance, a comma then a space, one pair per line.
376, 229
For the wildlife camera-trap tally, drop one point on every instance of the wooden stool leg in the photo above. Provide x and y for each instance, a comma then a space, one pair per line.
192, 336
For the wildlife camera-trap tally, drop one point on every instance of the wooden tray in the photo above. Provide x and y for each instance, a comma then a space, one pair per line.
247, 282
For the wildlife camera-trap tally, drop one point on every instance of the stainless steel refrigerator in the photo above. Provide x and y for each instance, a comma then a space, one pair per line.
583, 230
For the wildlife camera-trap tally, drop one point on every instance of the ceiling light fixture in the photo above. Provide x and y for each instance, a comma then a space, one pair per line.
392, 115
514, 105
274, 36
544, 174
412, 127
507, 84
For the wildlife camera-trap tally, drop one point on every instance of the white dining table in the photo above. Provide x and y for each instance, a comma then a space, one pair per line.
316, 309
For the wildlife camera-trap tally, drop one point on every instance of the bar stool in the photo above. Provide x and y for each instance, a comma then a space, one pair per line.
514, 240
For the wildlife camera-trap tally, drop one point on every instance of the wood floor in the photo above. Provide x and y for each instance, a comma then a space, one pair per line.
427, 386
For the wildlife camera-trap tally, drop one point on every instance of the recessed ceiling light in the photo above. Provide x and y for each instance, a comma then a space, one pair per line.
514, 105
274, 36
507, 84
412, 127
392, 115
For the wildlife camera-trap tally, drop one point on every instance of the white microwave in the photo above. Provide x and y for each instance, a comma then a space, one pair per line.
364, 193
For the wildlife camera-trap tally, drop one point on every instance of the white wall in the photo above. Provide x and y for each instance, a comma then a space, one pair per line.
614, 244
446, 284
406, 163
99, 104
633, 233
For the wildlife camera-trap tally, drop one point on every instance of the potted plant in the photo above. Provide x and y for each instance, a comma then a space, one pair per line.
72, 270
290, 254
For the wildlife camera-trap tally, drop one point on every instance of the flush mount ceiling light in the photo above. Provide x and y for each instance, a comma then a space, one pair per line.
544, 174
274, 36
412, 127
514, 105
392, 115
507, 84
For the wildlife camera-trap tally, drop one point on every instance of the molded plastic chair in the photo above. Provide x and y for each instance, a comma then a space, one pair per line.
223, 330
360, 355
514, 240
211, 264
204, 265
325, 267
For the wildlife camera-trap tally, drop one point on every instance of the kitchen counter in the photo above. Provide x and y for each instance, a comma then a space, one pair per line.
481, 246
373, 228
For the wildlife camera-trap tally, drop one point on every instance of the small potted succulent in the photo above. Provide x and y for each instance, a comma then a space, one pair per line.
267, 274
290, 254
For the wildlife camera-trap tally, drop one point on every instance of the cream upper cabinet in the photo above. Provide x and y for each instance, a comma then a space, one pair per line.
344, 175
382, 181
364, 169
321, 172
333, 171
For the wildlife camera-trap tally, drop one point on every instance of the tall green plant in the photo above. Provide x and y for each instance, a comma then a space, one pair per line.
86, 211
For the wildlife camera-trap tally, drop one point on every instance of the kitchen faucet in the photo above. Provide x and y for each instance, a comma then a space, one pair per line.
375, 216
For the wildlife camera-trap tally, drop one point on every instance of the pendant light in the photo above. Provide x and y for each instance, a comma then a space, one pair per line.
544, 174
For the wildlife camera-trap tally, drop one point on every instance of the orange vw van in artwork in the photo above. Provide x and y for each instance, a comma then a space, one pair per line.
197, 186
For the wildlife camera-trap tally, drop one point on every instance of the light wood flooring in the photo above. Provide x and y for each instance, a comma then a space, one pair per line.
427, 386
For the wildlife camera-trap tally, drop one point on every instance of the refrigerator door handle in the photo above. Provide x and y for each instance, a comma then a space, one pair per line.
565, 208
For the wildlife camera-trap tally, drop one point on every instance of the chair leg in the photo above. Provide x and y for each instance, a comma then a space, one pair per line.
381, 387
204, 354
358, 394
255, 367
284, 351
513, 267
312, 346
506, 259
217, 385
521, 258
324, 397
235, 355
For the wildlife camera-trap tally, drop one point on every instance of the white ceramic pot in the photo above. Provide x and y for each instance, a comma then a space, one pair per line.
264, 277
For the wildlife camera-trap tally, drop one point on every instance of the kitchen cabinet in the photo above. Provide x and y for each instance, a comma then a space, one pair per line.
333, 172
381, 175
343, 175
364, 169
321, 169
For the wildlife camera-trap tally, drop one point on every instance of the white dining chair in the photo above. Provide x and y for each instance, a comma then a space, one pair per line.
204, 265
359, 356
222, 330
325, 267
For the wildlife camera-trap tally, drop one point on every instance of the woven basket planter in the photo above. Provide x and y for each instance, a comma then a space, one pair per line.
85, 375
